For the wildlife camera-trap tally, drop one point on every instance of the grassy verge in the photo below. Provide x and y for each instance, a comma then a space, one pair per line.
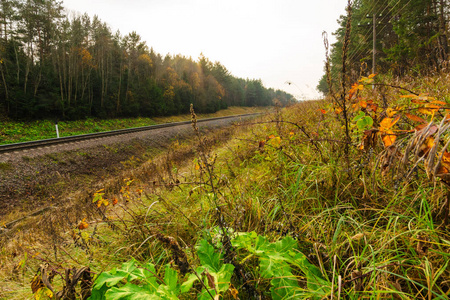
15, 132
281, 210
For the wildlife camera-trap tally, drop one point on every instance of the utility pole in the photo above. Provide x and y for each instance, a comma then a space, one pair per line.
374, 43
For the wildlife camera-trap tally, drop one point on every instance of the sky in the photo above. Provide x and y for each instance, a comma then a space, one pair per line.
277, 41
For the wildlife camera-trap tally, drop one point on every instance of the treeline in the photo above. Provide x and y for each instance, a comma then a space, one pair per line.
55, 66
411, 37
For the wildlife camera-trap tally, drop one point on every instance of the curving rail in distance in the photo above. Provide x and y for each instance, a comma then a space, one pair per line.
74, 138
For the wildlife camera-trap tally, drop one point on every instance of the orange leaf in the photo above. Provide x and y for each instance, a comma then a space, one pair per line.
389, 138
387, 123
115, 201
446, 158
439, 102
426, 146
409, 96
363, 104
390, 112
445, 164
429, 109
415, 118
271, 136
372, 76
323, 111
420, 127
372, 107
83, 224
338, 110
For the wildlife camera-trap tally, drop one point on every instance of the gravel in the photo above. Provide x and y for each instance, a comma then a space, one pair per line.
34, 178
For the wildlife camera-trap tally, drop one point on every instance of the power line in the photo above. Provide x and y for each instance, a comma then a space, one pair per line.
357, 51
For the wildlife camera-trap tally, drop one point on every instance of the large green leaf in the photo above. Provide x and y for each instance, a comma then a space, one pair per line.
98, 294
187, 285
171, 278
223, 277
275, 260
285, 288
208, 256
108, 279
130, 292
147, 274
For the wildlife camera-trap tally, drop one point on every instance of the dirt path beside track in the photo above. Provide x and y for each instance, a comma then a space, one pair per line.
31, 179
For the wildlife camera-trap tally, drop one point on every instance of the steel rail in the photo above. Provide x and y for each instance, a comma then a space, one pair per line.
69, 139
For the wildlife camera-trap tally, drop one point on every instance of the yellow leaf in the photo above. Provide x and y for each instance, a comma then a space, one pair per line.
387, 123
36, 283
43, 293
234, 293
275, 142
338, 110
372, 76
363, 104
389, 138
429, 109
390, 112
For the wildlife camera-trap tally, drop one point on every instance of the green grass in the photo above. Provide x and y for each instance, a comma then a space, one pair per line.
361, 233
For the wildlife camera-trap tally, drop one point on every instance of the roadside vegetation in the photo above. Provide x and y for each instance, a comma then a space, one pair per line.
293, 206
342, 198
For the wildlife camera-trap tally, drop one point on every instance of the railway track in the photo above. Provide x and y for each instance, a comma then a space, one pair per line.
69, 139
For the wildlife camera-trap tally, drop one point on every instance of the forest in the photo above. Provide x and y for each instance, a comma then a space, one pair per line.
56, 66
411, 38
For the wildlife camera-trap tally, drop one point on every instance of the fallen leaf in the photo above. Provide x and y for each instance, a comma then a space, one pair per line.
415, 118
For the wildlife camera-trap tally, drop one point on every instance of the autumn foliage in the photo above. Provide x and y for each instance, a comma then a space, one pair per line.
410, 130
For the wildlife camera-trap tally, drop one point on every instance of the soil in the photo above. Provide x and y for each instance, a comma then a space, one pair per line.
32, 179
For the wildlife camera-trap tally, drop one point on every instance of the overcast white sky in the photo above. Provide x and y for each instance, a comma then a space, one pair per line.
272, 40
